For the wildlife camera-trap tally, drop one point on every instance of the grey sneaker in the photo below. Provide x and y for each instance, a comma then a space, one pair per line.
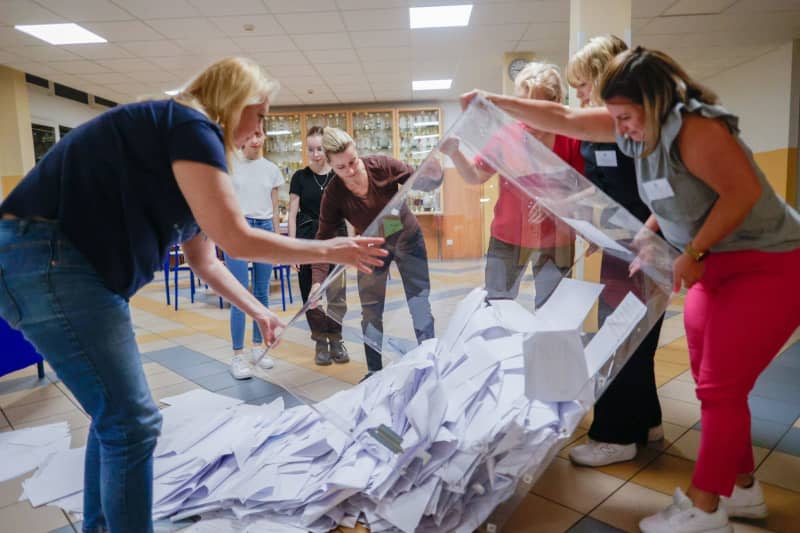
339, 351
323, 356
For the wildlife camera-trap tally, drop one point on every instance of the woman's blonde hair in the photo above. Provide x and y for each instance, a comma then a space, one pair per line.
335, 141
542, 76
589, 63
224, 89
655, 81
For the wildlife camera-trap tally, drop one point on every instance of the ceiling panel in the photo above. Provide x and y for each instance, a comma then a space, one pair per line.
106, 78
520, 11
339, 69
133, 64
98, 51
294, 6
219, 8
293, 70
695, 7
162, 48
132, 30
371, 4
325, 22
386, 66
190, 28
287, 57
78, 67
26, 12
384, 38
344, 55
44, 53
395, 53
159, 76
86, 10
322, 41
234, 26
376, 19
265, 43
210, 47
156, 9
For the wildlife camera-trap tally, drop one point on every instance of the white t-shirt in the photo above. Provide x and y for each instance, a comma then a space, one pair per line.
253, 181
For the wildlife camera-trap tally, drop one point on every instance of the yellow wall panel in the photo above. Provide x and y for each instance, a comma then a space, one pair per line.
780, 167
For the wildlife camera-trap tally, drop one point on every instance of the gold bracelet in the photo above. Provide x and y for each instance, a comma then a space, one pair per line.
695, 254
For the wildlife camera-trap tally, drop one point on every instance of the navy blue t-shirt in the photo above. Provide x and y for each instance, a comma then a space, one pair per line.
110, 186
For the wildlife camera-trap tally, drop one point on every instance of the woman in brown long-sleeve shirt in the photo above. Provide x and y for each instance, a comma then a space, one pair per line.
366, 185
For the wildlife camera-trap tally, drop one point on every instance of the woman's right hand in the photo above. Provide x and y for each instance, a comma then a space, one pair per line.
467, 98
360, 252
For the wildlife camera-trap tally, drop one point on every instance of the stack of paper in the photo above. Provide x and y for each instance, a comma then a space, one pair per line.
457, 433
25, 449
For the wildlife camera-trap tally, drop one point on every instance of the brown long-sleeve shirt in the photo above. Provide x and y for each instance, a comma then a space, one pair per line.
385, 175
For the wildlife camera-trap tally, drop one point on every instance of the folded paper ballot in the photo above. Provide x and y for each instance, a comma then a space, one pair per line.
466, 424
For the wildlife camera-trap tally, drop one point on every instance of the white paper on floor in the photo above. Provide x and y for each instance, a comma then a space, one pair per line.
469, 433
24, 450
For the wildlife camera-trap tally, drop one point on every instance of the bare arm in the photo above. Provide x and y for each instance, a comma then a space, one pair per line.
294, 207
202, 257
465, 167
713, 155
595, 124
276, 219
211, 198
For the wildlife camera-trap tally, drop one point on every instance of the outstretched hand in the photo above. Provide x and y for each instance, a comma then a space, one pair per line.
360, 252
270, 326
467, 98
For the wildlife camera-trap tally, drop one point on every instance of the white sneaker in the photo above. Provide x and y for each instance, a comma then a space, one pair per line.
240, 369
745, 502
266, 362
655, 433
683, 517
595, 453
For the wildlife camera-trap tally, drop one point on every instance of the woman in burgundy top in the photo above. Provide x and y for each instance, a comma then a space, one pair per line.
522, 231
366, 185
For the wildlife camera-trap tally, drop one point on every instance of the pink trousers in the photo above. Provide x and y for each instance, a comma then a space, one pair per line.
737, 317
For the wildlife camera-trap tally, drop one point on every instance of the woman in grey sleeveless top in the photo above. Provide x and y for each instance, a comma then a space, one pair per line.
741, 256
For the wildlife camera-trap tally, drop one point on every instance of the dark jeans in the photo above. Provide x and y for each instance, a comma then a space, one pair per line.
505, 264
629, 407
51, 293
408, 252
325, 326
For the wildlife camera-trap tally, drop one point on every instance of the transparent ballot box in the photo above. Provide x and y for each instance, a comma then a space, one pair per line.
466, 375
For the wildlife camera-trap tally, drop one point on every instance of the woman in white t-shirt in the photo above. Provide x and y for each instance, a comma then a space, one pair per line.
255, 181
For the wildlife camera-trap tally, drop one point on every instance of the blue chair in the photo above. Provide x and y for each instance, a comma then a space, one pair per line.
174, 264
285, 272
16, 352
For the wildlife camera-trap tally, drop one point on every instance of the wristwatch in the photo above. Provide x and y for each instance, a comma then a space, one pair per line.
694, 253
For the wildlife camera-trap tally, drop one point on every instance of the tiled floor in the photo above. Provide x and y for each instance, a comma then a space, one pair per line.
189, 348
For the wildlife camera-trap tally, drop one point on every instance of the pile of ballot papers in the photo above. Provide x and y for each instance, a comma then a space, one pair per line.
434, 442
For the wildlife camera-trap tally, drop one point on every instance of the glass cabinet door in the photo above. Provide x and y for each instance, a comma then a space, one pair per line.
373, 132
335, 119
284, 147
420, 131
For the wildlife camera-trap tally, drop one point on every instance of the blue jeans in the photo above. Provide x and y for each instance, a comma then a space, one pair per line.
261, 275
55, 297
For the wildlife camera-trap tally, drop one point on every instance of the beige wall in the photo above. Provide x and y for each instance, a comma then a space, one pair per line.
764, 93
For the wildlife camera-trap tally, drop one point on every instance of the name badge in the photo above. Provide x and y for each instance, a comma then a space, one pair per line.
658, 189
606, 158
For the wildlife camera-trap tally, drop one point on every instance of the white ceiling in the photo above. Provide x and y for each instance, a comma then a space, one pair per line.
349, 51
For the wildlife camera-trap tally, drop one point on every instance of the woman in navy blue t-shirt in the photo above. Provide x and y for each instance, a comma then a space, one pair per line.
89, 225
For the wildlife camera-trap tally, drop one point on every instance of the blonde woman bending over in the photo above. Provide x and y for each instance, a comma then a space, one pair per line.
88, 226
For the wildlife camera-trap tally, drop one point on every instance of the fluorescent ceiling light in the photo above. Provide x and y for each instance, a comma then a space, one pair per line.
439, 16
61, 33
173, 92
431, 85
279, 132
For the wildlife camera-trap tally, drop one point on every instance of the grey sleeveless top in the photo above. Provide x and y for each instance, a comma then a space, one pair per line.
681, 202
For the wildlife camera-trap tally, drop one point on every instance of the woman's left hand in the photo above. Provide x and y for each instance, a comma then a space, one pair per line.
686, 271
269, 324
